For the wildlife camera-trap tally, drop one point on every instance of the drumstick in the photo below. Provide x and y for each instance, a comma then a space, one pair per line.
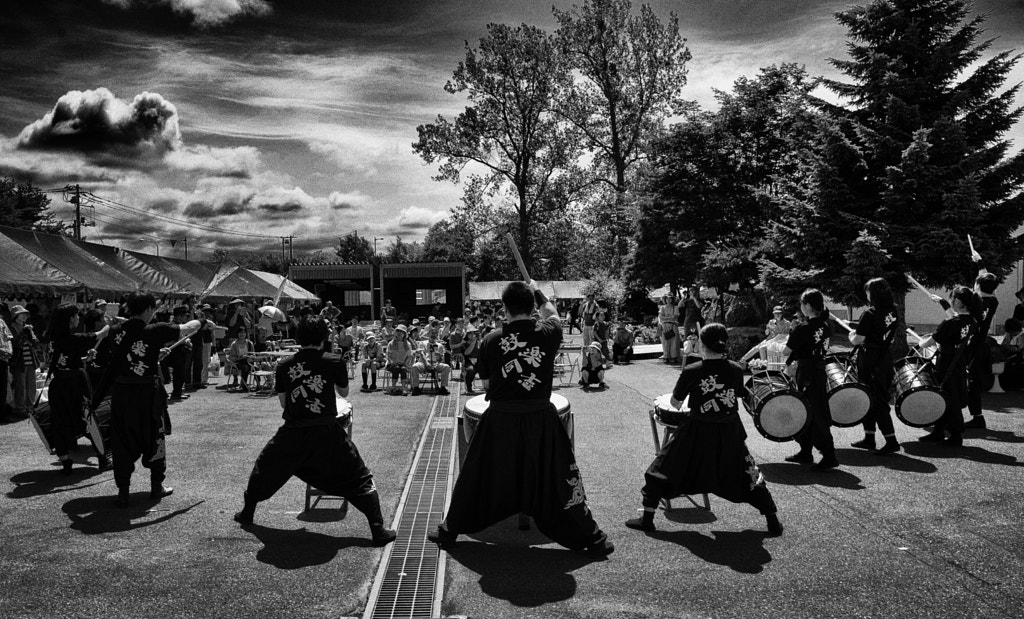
181, 341
971, 244
918, 284
519, 258
843, 323
914, 333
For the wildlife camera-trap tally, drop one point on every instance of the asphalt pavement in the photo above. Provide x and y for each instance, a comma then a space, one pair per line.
930, 532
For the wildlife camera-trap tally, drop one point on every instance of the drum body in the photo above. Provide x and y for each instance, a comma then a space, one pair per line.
920, 401
780, 412
345, 414
665, 412
848, 398
40, 416
97, 424
477, 406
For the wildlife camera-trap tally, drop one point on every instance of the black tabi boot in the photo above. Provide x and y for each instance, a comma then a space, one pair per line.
369, 504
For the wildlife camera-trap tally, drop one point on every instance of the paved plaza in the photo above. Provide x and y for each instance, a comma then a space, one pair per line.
931, 532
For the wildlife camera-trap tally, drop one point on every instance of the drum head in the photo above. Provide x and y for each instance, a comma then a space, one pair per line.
782, 417
560, 402
921, 408
476, 405
848, 406
344, 407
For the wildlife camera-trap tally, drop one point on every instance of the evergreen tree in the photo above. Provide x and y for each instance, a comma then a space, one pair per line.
917, 161
23, 205
354, 248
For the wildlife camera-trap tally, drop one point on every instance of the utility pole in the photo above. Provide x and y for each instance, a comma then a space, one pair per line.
184, 243
77, 200
286, 241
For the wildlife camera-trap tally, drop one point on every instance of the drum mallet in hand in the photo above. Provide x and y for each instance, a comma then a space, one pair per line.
519, 258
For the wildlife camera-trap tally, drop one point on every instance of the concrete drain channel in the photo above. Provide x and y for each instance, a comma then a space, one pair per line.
410, 580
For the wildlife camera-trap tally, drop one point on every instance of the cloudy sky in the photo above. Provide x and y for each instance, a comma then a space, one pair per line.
275, 117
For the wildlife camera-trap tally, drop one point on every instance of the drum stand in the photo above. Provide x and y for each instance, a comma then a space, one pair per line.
658, 441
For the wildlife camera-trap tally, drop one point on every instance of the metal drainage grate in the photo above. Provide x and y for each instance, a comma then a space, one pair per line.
410, 580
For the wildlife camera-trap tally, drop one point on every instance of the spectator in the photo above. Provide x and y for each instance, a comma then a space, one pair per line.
429, 357
778, 325
601, 332
589, 315
6, 351
622, 344
237, 354
373, 360
24, 361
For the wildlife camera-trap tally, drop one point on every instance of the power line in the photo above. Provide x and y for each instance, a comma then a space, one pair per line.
174, 220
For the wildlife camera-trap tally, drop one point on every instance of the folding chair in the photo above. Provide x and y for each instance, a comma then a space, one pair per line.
566, 367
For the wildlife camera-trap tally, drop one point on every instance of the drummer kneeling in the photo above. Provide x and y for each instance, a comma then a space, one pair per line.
707, 453
312, 444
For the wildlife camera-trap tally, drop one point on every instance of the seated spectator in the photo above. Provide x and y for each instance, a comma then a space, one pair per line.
429, 357
1012, 348
777, 325
399, 354
373, 360
622, 344
237, 355
592, 366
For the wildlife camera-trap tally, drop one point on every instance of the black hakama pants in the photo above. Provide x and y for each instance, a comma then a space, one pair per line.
138, 410
810, 380
68, 395
522, 461
953, 377
322, 455
707, 457
876, 371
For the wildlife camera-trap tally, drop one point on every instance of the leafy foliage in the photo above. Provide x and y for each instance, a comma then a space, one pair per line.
354, 248
23, 205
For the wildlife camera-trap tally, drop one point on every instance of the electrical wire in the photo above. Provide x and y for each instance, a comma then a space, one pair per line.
181, 222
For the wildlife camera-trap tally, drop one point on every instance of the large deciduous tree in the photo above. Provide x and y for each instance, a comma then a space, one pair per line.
508, 130
629, 70
354, 248
916, 161
715, 179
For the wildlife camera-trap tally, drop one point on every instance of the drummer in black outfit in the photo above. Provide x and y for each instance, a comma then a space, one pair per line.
807, 347
312, 444
138, 401
521, 458
875, 334
953, 337
980, 358
707, 452
69, 392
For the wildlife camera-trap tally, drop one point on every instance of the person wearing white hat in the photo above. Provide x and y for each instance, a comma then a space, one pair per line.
399, 354
373, 360
24, 361
592, 368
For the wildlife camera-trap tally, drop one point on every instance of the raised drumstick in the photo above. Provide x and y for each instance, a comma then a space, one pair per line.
519, 258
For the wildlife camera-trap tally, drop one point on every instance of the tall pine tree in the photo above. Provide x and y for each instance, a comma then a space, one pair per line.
914, 162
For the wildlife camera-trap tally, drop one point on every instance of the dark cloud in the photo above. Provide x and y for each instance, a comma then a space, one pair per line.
231, 206
287, 207
167, 205
96, 120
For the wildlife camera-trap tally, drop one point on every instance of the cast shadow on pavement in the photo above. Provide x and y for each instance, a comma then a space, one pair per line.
689, 514
967, 452
802, 475
97, 514
896, 462
740, 551
996, 436
37, 483
523, 575
292, 549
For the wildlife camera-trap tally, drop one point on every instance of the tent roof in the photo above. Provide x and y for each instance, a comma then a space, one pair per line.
22, 273
188, 276
555, 289
96, 267
291, 289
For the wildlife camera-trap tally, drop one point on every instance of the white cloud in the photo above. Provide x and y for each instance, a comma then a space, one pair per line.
416, 219
206, 13
239, 162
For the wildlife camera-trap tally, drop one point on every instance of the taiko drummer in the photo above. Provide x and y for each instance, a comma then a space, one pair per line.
875, 334
521, 459
312, 444
708, 452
